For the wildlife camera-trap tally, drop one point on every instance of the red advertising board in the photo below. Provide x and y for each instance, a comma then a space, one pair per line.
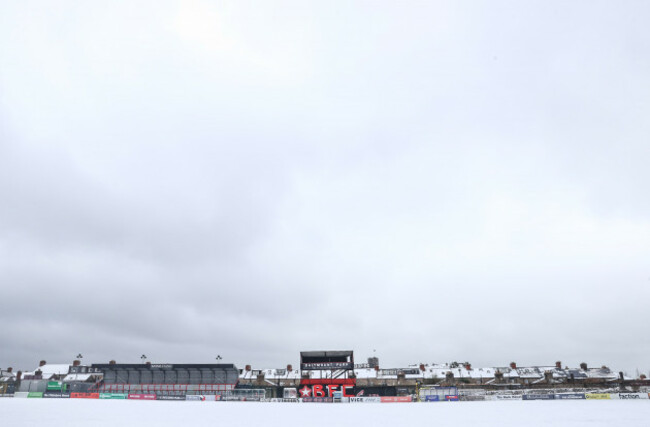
393, 399
84, 395
142, 396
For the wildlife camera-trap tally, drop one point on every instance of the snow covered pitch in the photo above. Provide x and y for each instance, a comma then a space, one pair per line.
82, 412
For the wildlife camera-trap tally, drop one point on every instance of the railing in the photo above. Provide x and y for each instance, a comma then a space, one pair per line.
163, 388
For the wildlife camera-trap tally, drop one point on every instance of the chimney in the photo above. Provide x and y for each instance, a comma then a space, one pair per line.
621, 376
148, 363
642, 377
558, 364
76, 362
19, 375
42, 363
449, 376
10, 369
498, 376
583, 366
377, 367
513, 365
112, 362
422, 368
289, 368
248, 368
468, 366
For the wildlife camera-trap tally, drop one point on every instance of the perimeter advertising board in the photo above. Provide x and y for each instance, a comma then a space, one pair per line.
142, 396
318, 399
598, 396
432, 398
472, 398
84, 395
570, 396
396, 399
55, 395
369, 399
452, 398
629, 396
171, 397
538, 396
35, 394
202, 397
113, 395
507, 397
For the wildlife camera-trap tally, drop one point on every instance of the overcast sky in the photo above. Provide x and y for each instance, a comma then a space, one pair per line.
436, 181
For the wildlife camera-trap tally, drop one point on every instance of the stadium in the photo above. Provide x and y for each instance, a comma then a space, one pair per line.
322, 376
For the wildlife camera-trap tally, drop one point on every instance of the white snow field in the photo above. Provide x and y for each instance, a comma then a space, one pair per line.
125, 413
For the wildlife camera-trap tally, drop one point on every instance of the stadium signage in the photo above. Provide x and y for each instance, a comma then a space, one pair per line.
538, 396
171, 398
162, 366
326, 366
432, 398
142, 396
597, 396
113, 395
54, 394
201, 397
84, 395
395, 399
451, 398
508, 397
570, 396
369, 399
36, 394
319, 390
318, 399
629, 396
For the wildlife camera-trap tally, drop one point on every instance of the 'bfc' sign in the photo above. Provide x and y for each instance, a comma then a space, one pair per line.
330, 390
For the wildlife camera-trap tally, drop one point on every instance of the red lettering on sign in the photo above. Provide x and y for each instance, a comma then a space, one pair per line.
318, 391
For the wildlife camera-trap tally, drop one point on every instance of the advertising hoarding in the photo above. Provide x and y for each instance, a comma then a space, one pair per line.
598, 396
182, 397
396, 399
142, 396
570, 396
113, 395
538, 396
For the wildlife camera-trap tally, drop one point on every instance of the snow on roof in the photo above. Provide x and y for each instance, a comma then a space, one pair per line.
54, 369
439, 371
49, 371
79, 377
